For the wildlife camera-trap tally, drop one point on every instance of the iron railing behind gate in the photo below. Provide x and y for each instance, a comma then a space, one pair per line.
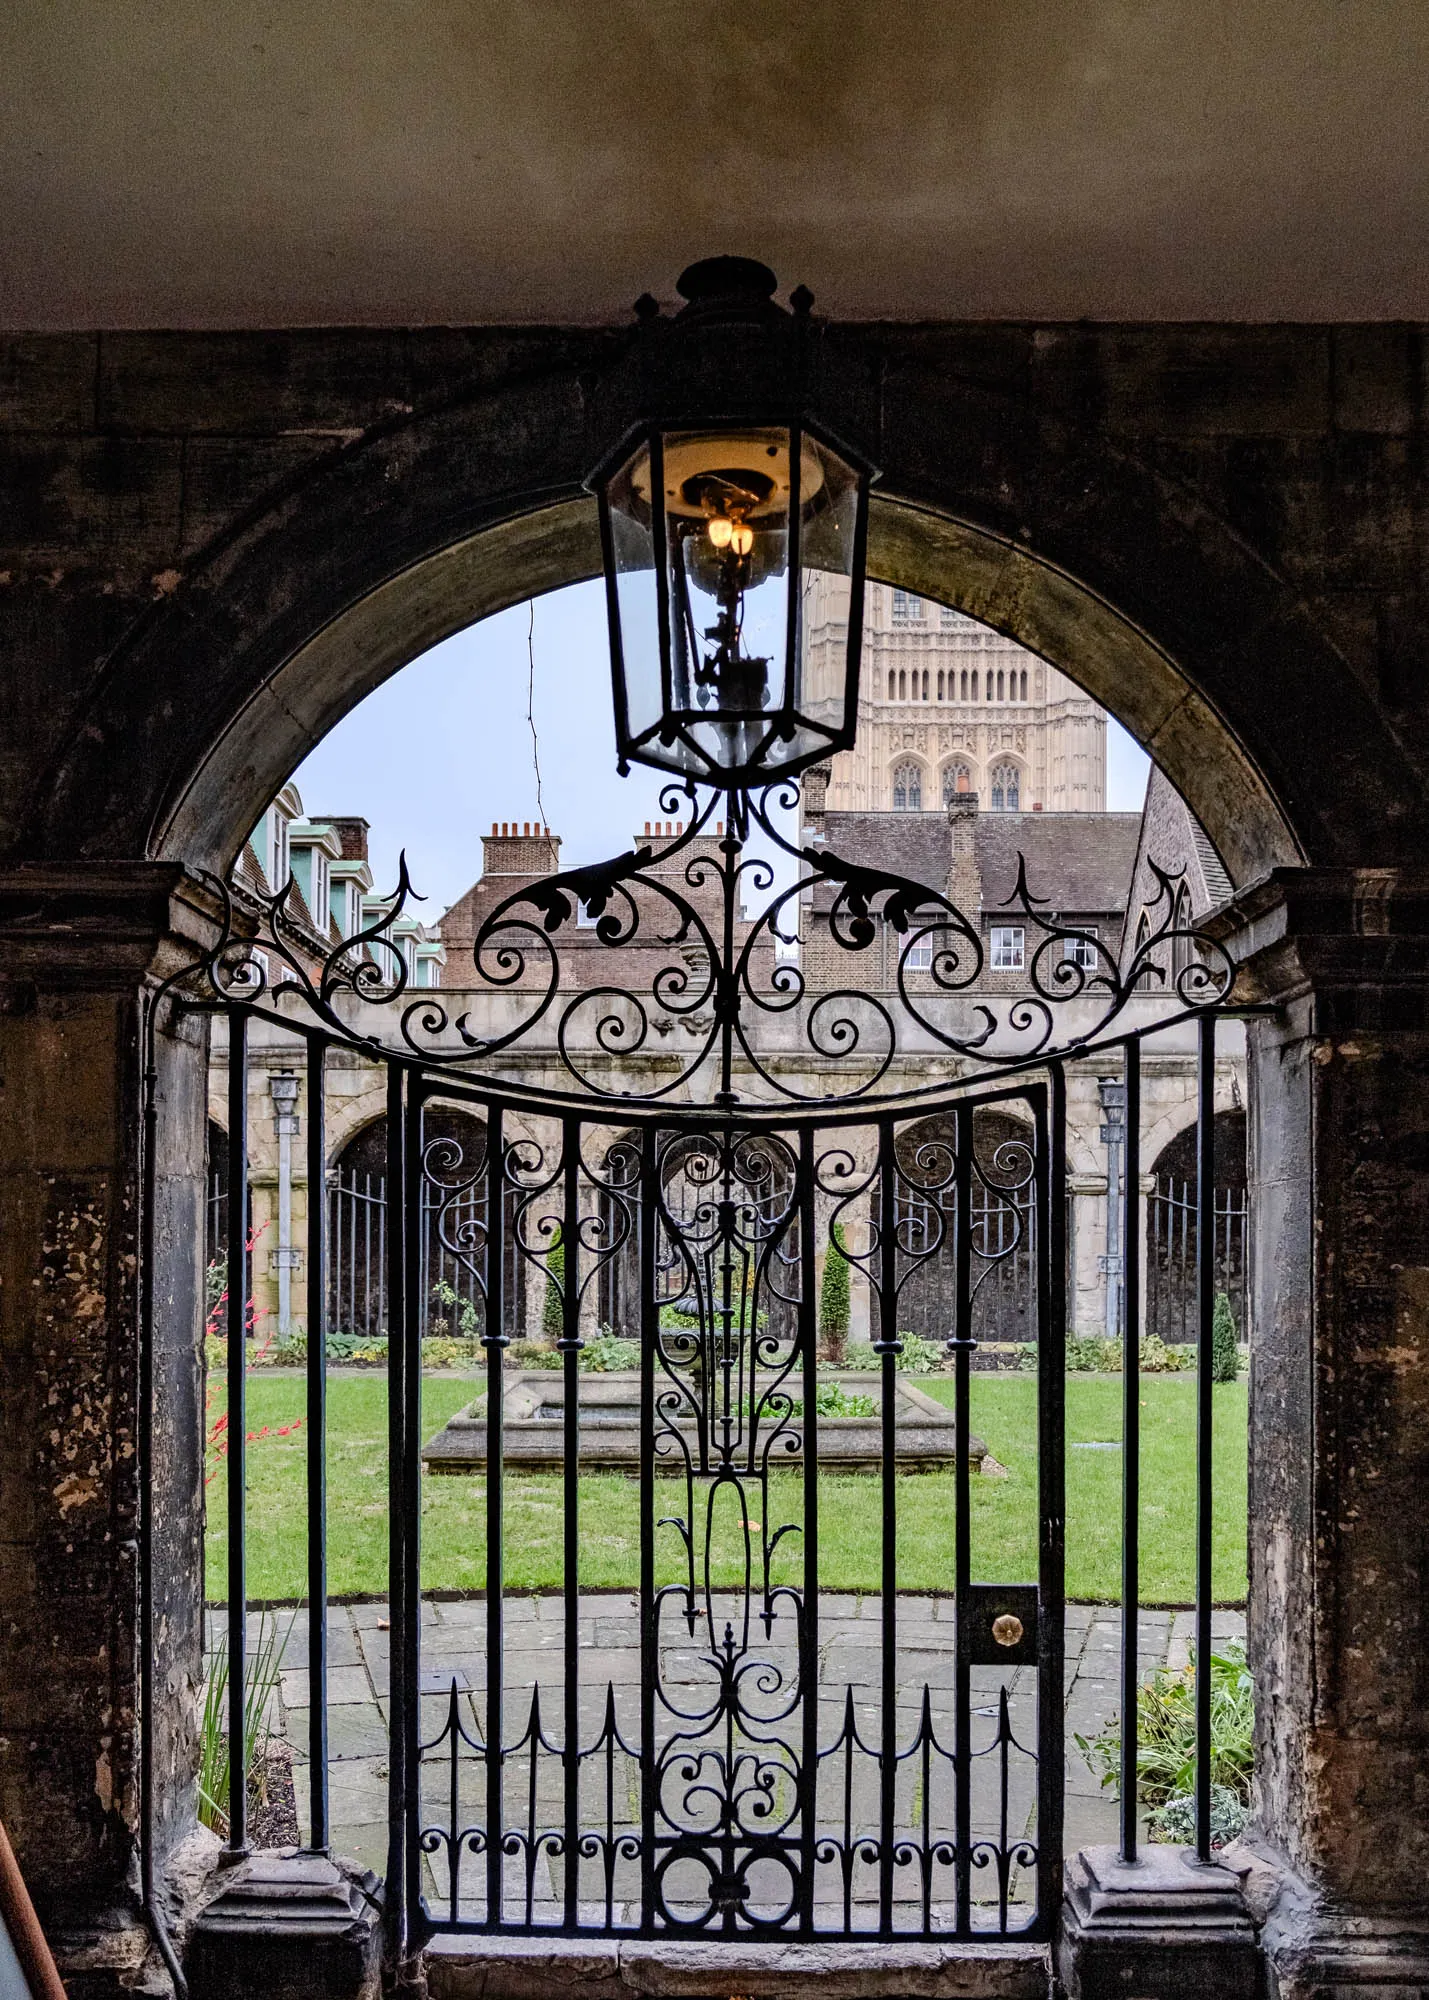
1172, 1213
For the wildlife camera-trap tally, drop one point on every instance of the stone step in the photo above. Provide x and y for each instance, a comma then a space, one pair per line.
527, 1968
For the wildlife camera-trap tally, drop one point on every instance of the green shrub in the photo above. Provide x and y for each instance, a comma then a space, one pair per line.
674, 1319
919, 1356
1225, 1348
265, 1663
446, 1295
607, 1353
1087, 1353
532, 1354
834, 1400
834, 1300
1166, 1743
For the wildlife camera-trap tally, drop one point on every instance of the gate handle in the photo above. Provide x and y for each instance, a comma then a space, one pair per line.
1007, 1630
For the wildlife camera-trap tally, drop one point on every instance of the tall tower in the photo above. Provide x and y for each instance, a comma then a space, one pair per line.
947, 705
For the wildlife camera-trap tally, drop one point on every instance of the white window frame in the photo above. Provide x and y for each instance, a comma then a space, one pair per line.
1082, 949
279, 855
1007, 948
920, 955
907, 608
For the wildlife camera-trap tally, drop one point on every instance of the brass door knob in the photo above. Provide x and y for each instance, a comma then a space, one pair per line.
1007, 1630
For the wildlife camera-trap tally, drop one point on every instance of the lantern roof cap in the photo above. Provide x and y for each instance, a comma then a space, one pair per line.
729, 288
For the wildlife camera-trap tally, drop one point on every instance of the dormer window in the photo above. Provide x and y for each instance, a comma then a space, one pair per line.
277, 862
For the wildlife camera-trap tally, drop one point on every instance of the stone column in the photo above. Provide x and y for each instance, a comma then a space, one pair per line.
1339, 1495
78, 947
1336, 1866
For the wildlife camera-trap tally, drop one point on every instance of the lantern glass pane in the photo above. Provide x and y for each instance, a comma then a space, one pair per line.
726, 499
825, 696
713, 676
638, 680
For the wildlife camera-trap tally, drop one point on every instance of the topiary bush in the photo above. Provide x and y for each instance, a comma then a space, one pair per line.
1225, 1348
834, 1302
553, 1307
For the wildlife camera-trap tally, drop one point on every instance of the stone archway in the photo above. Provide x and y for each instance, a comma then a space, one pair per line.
1051, 482
421, 526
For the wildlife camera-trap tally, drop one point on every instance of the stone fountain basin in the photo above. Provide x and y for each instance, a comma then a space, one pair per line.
533, 1409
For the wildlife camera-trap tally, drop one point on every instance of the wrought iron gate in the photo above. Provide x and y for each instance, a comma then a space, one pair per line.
720, 1742
722, 1782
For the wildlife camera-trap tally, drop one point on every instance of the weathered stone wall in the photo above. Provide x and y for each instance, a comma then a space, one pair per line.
212, 546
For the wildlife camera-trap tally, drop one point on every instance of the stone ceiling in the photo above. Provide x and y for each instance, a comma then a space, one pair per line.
177, 163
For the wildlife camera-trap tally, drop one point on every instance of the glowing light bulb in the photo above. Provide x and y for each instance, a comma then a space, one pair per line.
741, 538
721, 531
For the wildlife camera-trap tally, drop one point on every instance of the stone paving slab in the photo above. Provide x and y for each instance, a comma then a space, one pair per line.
453, 1644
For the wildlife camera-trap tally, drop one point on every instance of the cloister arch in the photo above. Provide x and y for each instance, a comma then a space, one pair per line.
419, 527
1200, 562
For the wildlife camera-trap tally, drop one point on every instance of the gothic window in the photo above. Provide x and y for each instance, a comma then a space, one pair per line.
892, 685
1006, 788
956, 778
963, 695
907, 789
941, 679
907, 609
974, 683
1000, 694
925, 683
1024, 684
1182, 947
902, 684
1147, 976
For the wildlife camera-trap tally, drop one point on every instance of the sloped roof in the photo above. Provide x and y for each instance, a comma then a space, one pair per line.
1075, 861
1078, 863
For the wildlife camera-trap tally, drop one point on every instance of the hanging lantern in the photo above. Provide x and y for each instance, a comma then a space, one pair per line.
719, 540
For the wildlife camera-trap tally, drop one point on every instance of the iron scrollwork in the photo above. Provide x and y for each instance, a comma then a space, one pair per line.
722, 997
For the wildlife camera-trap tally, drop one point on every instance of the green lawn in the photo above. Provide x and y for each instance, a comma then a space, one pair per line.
1003, 1511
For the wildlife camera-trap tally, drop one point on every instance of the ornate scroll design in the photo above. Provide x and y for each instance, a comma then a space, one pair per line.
713, 994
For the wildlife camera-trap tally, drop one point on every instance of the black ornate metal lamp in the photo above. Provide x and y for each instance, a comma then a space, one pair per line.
718, 527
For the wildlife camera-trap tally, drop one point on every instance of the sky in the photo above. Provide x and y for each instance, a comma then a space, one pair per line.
444, 748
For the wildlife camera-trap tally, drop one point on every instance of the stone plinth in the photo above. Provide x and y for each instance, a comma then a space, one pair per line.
1165, 1927
290, 1926
533, 1434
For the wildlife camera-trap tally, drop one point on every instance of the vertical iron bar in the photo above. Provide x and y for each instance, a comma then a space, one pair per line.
1051, 1253
1130, 1447
495, 1340
407, 1334
237, 1331
1205, 1309
888, 1571
317, 1451
809, 1652
398, 1688
962, 1525
649, 1663
570, 1345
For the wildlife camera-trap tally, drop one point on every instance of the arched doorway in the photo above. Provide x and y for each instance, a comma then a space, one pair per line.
450, 1303
1003, 1211
1172, 1230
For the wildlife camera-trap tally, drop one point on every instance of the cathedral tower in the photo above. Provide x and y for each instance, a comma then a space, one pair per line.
948, 705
